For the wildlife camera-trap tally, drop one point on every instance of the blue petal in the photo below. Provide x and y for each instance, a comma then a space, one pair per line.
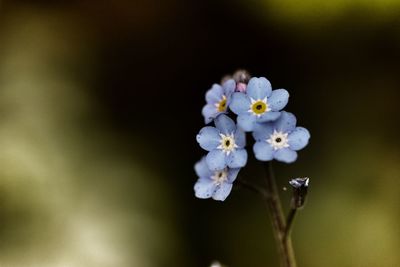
262, 131
202, 169
263, 151
225, 124
240, 103
208, 138
240, 138
222, 191
232, 174
214, 94
298, 139
258, 88
216, 160
269, 116
278, 99
286, 122
237, 158
285, 155
229, 87
209, 112
246, 121
204, 188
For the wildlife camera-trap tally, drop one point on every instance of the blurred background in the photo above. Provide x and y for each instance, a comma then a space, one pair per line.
99, 107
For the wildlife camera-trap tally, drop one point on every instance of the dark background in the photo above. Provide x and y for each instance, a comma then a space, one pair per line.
99, 107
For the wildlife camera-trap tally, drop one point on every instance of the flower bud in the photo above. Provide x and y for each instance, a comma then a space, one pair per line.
300, 188
241, 76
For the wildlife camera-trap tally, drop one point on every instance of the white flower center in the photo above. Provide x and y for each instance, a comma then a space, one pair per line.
258, 107
278, 140
220, 177
227, 143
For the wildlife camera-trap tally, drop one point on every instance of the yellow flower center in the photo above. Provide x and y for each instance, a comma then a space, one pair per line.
228, 143
259, 107
221, 105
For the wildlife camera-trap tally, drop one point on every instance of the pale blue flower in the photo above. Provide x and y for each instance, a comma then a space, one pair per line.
218, 99
214, 184
279, 139
225, 143
258, 104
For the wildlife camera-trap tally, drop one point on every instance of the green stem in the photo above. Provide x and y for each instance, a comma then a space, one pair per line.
284, 244
289, 223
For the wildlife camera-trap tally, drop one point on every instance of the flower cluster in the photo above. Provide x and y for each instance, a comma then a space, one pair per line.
257, 109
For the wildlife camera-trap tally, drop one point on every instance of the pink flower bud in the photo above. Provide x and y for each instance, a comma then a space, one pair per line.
241, 87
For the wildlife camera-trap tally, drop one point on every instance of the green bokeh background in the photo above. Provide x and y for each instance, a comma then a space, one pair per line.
100, 103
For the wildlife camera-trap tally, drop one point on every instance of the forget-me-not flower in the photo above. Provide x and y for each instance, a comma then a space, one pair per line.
258, 104
279, 139
218, 99
225, 143
214, 184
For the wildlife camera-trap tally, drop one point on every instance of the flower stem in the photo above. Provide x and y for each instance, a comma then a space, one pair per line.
284, 243
289, 223
252, 187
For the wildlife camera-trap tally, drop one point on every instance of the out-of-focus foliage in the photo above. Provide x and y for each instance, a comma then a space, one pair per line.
71, 192
300, 12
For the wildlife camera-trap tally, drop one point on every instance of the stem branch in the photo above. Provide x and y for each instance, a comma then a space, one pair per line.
252, 187
274, 206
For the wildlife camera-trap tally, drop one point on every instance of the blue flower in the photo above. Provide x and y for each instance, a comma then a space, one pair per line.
225, 143
258, 104
279, 139
218, 99
215, 184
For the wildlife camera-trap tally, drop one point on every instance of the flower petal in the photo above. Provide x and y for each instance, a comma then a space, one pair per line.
285, 155
225, 124
258, 88
208, 138
263, 151
202, 169
286, 122
237, 158
246, 122
298, 139
209, 112
216, 160
232, 174
204, 188
222, 191
278, 99
229, 87
214, 94
269, 116
262, 131
240, 103
240, 138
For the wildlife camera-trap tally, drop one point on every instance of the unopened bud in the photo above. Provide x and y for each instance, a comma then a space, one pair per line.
241, 76
241, 87
300, 189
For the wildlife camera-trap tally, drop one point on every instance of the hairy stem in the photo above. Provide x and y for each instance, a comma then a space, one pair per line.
284, 243
252, 187
289, 223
